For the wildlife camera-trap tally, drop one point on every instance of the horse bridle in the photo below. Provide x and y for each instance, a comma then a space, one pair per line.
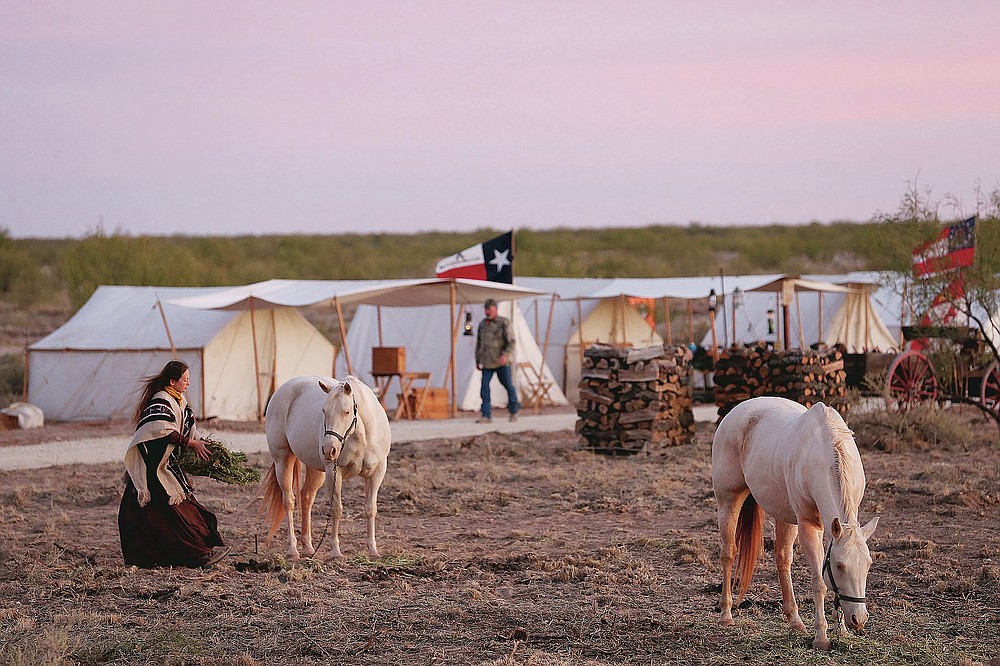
347, 433
837, 596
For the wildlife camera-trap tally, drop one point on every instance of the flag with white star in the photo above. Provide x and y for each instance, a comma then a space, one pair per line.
492, 260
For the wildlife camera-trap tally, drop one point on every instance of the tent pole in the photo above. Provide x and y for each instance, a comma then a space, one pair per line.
545, 349
722, 297
690, 320
454, 335
170, 338
868, 314
579, 328
378, 313
786, 325
666, 319
454, 332
256, 362
274, 355
202, 383
798, 315
822, 338
343, 335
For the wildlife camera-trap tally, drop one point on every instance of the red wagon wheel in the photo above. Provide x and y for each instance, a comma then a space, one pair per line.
989, 395
910, 381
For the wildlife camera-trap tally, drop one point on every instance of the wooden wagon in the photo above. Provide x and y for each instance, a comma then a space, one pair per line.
955, 364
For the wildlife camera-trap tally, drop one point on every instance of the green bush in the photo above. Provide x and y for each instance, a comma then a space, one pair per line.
11, 378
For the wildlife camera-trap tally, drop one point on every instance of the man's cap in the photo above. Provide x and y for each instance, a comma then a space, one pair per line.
489, 302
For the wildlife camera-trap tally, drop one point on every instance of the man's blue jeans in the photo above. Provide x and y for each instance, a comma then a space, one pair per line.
503, 374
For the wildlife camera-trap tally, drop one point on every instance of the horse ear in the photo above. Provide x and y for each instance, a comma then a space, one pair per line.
836, 529
347, 388
868, 529
323, 385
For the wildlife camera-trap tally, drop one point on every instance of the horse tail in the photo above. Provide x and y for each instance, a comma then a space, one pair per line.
749, 544
272, 505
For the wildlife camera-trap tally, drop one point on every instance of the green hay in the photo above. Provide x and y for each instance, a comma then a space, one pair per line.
222, 465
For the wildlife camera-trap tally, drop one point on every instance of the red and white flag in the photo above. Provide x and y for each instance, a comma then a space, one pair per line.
954, 247
945, 310
492, 260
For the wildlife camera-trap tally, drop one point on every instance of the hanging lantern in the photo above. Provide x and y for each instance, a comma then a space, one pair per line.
468, 324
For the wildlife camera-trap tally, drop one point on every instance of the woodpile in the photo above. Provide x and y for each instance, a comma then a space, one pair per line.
807, 377
635, 400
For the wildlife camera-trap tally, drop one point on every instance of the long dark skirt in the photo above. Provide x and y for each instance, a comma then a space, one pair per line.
159, 534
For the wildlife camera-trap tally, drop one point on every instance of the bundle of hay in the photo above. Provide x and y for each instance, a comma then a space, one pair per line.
222, 465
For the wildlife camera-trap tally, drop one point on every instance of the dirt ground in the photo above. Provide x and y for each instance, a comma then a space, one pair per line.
498, 549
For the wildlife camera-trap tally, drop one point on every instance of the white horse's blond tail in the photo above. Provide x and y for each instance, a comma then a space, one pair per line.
272, 503
749, 544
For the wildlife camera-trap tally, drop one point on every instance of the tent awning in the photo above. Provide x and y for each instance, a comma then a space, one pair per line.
802, 284
684, 288
397, 293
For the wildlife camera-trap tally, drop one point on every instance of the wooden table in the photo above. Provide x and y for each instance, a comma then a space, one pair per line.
409, 390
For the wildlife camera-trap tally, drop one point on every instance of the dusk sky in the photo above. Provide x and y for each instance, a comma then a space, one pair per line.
331, 117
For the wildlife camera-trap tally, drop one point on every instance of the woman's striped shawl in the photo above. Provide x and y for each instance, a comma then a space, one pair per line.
160, 417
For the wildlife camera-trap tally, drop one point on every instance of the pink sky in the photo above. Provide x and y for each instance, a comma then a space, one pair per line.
167, 117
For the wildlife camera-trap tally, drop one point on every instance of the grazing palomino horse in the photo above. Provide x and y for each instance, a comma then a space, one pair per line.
803, 468
329, 426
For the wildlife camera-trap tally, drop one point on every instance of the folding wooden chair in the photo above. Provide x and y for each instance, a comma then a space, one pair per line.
535, 387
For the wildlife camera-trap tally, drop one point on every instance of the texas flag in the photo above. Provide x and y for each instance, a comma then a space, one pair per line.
492, 260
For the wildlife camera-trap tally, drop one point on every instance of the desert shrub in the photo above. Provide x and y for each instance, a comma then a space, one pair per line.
11, 378
954, 429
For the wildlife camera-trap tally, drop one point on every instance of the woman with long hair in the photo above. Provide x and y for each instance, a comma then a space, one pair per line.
160, 521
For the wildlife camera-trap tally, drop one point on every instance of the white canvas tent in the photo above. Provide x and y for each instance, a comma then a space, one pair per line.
91, 367
421, 331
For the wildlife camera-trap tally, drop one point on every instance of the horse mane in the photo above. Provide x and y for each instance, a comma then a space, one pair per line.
842, 439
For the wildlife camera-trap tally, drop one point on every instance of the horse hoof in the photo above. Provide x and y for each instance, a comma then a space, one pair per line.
821, 644
727, 622
799, 628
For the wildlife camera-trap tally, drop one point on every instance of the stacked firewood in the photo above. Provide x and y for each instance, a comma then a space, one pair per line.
740, 374
635, 400
807, 377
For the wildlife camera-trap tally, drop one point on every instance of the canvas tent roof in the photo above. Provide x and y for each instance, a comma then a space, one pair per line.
390, 293
397, 293
91, 367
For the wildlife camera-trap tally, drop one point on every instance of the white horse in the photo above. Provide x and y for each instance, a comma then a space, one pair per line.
803, 468
329, 426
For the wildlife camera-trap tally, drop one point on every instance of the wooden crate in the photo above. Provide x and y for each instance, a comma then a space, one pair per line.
435, 404
388, 360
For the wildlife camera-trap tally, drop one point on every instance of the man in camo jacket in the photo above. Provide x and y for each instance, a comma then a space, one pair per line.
494, 351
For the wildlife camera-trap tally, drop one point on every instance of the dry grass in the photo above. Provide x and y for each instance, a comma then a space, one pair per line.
505, 550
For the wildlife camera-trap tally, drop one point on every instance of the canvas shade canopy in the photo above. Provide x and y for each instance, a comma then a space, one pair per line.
91, 367
586, 311
850, 309
337, 293
419, 330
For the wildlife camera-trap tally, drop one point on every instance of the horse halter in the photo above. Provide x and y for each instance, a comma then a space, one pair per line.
347, 433
837, 596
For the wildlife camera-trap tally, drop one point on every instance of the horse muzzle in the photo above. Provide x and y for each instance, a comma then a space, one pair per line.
856, 621
330, 449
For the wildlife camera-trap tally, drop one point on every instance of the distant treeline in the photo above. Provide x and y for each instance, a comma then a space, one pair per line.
62, 274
